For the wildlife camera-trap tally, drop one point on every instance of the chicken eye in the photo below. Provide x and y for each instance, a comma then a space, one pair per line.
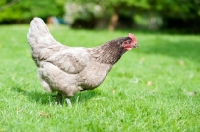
129, 41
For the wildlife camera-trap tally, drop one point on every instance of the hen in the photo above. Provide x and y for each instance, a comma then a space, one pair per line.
69, 70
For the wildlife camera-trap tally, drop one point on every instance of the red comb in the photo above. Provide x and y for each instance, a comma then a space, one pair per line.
132, 37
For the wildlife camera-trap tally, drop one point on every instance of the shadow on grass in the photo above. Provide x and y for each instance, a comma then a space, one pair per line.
49, 98
184, 48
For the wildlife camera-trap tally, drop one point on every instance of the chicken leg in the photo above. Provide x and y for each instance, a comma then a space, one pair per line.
59, 98
68, 102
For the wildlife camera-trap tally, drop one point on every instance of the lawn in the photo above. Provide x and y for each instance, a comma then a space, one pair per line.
155, 87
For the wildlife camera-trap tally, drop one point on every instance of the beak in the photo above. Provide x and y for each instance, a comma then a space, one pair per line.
135, 46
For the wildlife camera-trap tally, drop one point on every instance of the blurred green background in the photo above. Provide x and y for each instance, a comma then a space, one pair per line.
182, 16
154, 88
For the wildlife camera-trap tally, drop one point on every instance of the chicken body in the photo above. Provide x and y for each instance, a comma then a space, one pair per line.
71, 70
68, 70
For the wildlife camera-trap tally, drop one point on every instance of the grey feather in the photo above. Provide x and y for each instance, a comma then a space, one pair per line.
68, 70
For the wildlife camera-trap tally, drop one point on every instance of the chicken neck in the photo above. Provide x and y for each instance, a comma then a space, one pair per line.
108, 53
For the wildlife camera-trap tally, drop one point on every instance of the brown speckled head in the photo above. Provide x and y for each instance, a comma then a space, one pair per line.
112, 50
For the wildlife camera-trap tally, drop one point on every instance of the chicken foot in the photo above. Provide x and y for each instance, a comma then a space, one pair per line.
59, 98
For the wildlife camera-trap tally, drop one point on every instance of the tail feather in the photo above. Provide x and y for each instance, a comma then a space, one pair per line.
39, 37
39, 34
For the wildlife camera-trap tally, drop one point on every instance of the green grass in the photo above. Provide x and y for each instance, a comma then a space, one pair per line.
153, 88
